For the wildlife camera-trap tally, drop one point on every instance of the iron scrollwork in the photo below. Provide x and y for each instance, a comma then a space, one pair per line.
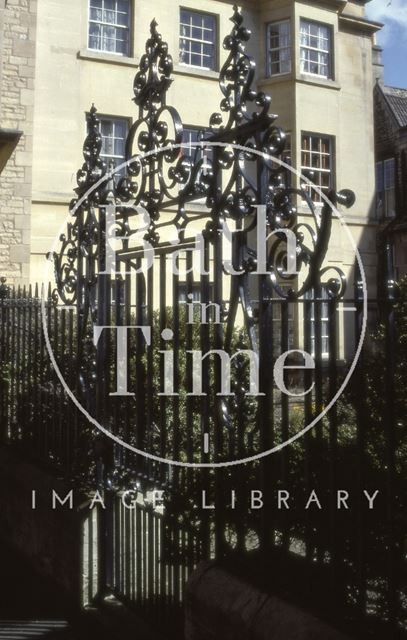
75, 264
242, 176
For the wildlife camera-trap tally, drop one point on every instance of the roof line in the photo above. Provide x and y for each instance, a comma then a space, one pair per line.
395, 118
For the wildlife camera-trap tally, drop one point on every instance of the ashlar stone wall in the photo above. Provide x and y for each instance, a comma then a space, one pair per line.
16, 113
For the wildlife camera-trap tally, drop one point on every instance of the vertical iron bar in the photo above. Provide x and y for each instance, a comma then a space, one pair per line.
333, 429
362, 417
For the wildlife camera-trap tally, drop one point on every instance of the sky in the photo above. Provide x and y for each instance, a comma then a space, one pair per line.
393, 38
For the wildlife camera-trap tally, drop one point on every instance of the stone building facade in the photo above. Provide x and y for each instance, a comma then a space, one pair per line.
329, 105
313, 57
17, 77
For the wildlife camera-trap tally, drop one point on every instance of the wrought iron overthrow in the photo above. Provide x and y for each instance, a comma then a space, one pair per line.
240, 171
233, 182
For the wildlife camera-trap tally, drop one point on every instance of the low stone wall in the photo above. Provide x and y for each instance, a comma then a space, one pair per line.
221, 605
49, 539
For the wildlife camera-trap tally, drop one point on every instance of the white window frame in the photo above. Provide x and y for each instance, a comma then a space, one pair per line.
183, 293
115, 25
307, 49
287, 157
276, 317
188, 132
318, 171
196, 153
202, 41
107, 157
324, 321
279, 49
386, 196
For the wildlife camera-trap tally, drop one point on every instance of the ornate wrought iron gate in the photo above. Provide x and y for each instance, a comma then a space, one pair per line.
192, 203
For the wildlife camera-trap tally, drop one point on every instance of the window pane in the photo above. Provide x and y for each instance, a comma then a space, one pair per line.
183, 57
325, 162
207, 49
119, 148
314, 42
284, 30
96, 14
196, 60
107, 146
196, 18
109, 32
123, 19
389, 174
313, 28
323, 31
109, 16
120, 128
209, 22
316, 161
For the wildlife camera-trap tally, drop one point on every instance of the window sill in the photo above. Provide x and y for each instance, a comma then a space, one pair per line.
318, 82
281, 77
197, 206
101, 56
196, 72
350, 218
49, 197
304, 210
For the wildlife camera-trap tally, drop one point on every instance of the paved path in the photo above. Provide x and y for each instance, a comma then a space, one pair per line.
30, 609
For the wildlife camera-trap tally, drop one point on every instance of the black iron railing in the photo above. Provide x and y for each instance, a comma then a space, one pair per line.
144, 555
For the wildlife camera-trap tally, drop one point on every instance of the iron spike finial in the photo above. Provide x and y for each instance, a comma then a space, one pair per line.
152, 81
4, 289
94, 166
237, 17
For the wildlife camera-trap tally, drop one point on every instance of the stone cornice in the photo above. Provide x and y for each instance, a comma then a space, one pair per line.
359, 24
